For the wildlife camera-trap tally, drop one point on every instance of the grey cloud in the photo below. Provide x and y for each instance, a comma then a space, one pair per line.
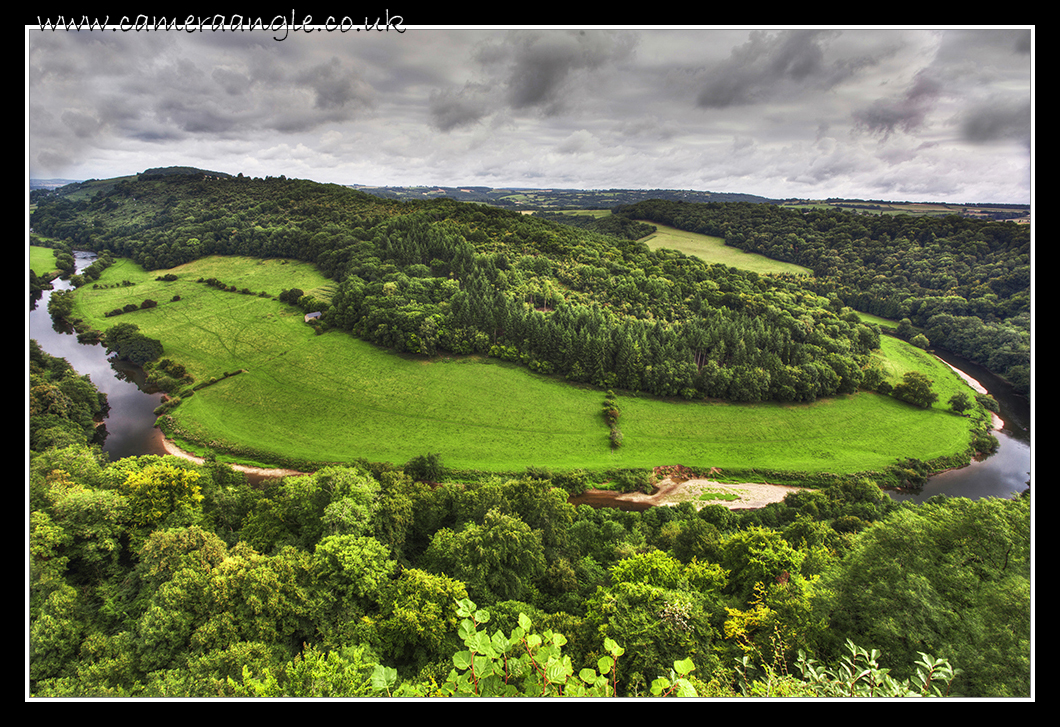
453, 109
234, 83
906, 112
768, 63
81, 124
998, 120
335, 86
531, 69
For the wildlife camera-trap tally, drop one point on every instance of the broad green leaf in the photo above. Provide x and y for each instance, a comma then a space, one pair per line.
463, 660
659, 686
466, 630
685, 689
501, 643
558, 671
383, 677
684, 667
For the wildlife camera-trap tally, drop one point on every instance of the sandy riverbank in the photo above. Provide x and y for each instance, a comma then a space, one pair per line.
750, 495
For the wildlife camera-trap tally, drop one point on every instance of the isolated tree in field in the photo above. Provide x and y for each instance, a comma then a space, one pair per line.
960, 402
916, 389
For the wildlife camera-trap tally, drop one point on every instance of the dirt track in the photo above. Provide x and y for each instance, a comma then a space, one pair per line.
176, 451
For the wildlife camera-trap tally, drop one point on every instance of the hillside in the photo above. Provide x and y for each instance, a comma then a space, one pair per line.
556, 199
441, 275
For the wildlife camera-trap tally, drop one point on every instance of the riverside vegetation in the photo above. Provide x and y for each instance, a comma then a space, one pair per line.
155, 576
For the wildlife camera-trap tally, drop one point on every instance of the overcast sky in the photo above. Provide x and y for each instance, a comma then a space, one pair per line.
897, 114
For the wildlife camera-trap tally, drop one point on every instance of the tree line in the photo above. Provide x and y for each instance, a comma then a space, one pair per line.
965, 282
442, 276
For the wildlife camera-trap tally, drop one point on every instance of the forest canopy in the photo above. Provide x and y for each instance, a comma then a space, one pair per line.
965, 282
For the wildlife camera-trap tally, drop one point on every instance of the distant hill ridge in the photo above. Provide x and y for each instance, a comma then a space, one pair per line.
556, 198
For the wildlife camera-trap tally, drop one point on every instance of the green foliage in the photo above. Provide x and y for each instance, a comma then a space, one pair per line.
934, 579
525, 663
315, 674
859, 674
915, 388
426, 467
162, 496
965, 283
126, 341
63, 406
960, 402
501, 559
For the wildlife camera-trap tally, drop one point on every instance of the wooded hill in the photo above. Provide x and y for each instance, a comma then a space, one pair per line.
966, 283
440, 275
557, 199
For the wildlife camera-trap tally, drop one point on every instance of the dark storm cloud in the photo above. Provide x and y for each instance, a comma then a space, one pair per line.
535, 70
906, 112
452, 109
770, 64
973, 76
1001, 119
335, 86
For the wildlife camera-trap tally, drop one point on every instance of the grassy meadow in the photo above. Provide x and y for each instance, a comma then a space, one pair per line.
713, 250
334, 398
42, 260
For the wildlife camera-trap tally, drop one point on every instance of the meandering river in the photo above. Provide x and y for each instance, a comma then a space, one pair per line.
130, 425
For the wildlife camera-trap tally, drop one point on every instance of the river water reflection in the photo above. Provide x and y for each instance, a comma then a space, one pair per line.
131, 431
130, 424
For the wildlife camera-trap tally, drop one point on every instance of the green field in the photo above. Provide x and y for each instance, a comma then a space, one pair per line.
714, 250
334, 398
42, 260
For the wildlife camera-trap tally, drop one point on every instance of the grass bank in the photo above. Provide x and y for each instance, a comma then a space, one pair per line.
714, 250
332, 398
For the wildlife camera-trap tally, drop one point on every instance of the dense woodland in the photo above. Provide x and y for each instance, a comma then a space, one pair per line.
153, 576
964, 282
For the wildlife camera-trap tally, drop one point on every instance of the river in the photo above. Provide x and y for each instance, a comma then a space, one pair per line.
130, 424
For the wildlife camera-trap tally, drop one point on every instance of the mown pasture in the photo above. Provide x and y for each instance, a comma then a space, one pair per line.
714, 250
333, 398
42, 260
